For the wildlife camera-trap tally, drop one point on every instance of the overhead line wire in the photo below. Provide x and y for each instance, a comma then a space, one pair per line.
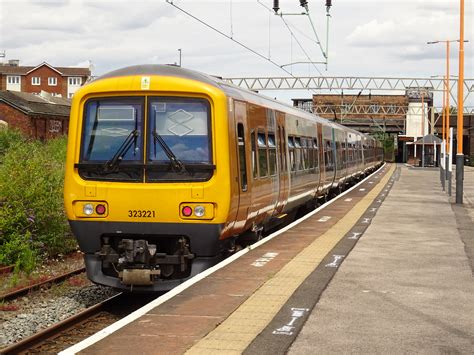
301, 46
234, 40
296, 39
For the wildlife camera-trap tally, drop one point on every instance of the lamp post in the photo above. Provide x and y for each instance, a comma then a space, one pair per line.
446, 106
460, 123
179, 50
423, 130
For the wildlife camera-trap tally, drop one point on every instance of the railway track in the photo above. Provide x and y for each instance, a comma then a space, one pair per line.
76, 328
6, 269
46, 283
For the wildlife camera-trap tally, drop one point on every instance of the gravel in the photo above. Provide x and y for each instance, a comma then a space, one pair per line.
41, 312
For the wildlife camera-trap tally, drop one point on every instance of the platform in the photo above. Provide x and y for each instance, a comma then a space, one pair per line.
406, 287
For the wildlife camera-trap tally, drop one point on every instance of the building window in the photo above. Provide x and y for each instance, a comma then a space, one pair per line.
36, 80
52, 81
13, 80
75, 81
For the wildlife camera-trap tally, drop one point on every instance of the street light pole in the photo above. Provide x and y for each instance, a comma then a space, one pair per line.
179, 50
443, 142
460, 123
447, 110
423, 130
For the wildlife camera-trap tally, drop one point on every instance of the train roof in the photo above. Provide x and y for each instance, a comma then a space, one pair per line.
229, 89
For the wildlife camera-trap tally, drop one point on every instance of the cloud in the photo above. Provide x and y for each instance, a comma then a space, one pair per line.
367, 38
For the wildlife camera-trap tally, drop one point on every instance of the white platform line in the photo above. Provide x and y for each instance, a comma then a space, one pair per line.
177, 290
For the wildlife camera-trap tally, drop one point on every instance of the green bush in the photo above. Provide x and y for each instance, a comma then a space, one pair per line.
32, 220
9, 137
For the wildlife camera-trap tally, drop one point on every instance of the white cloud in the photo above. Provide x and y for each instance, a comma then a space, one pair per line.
367, 38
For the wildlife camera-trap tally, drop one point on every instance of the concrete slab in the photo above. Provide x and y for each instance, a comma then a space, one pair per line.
406, 287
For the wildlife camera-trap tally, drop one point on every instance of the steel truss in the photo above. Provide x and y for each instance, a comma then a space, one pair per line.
371, 109
352, 83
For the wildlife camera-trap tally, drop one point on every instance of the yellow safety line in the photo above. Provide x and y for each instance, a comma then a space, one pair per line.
236, 333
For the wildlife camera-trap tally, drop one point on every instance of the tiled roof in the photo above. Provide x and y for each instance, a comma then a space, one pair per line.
65, 71
32, 104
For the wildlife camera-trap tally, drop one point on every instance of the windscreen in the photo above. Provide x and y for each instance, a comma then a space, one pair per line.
178, 147
108, 124
183, 126
179, 140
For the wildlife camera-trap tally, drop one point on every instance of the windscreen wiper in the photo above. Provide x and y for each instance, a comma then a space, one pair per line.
175, 162
122, 150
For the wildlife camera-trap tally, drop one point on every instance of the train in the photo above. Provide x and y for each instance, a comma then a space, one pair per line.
168, 170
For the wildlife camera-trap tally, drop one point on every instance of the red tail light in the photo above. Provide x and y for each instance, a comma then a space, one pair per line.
187, 211
100, 209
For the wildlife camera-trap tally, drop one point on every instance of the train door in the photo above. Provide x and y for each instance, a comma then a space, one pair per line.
346, 154
243, 152
264, 173
321, 158
329, 155
272, 152
282, 152
315, 157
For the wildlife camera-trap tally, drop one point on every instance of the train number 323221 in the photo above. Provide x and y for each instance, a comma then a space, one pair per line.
141, 213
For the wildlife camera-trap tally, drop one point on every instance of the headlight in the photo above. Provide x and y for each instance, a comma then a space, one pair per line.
199, 211
88, 209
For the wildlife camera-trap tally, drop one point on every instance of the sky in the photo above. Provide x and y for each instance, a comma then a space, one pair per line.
381, 38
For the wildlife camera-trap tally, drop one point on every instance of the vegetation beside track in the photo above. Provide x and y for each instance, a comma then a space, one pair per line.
33, 225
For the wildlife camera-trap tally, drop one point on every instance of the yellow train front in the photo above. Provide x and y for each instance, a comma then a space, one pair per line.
147, 180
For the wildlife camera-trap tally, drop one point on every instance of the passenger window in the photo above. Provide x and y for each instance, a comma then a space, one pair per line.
291, 149
272, 157
254, 155
329, 156
316, 152
262, 155
298, 154
306, 148
242, 160
283, 150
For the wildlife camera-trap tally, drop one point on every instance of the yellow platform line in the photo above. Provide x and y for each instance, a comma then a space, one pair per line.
236, 333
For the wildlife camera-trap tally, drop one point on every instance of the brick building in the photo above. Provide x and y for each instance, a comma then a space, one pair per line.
40, 116
58, 81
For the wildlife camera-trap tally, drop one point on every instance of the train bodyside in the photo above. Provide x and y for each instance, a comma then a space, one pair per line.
179, 164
